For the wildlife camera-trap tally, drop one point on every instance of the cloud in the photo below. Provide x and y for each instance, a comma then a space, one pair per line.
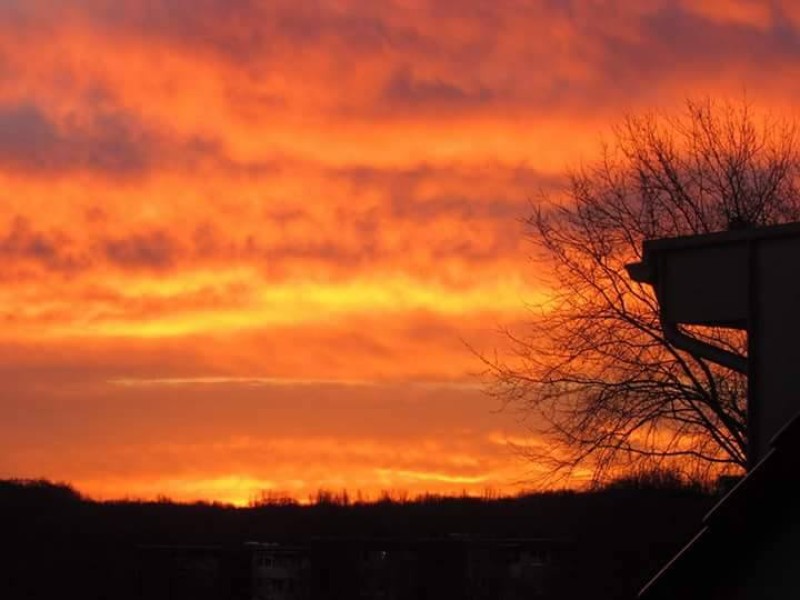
369, 220
152, 250
29, 140
21, 243
102, 141
116, 441
405, 89
565, 57
58, 251
710, 45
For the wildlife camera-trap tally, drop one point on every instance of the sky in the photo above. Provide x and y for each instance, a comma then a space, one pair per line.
253, 245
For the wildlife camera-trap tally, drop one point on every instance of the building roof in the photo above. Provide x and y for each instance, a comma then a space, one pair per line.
734, 530
723, 237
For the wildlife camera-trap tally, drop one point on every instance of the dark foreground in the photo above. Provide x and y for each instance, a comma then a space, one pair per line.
602, 544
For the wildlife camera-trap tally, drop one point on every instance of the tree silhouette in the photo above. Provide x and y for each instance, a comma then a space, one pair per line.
606, 389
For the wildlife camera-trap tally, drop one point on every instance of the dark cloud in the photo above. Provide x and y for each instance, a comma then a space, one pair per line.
564, 55
674, 41
247, 31
405, 89
360, 31
618, 54
52, 249
229, 27
106, 142
153, 250
56, 251
111, 143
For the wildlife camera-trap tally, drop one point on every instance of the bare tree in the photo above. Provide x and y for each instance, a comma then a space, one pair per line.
606, 390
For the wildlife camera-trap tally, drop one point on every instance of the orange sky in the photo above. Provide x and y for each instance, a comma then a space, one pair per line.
245, 244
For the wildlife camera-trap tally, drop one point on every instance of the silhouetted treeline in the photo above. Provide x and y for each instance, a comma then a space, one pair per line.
617, 536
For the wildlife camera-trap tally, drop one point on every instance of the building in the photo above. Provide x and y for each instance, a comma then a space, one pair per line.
196, 572
278, 571
454, 567
746, 280
748, 546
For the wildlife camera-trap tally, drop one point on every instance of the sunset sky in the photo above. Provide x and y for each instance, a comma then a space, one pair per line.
246, 245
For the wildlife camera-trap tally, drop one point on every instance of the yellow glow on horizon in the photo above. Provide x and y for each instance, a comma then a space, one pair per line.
300, 302
243, 490
400, 475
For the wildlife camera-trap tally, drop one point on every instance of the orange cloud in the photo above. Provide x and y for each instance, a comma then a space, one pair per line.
179, 438
272, 222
